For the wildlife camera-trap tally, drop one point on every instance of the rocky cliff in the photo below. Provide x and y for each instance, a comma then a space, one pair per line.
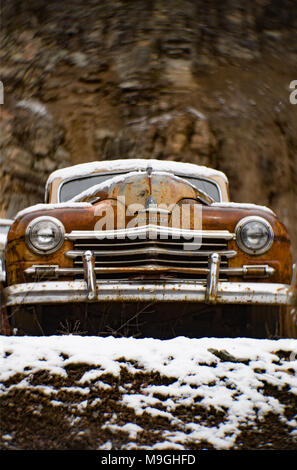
204, 81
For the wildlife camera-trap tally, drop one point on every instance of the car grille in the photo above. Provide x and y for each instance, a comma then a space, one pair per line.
147, 258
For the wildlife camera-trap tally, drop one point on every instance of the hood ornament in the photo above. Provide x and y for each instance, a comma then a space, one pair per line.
150, 202
149, 170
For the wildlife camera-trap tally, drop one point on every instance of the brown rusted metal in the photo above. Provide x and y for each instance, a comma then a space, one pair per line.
113, 207
19, 257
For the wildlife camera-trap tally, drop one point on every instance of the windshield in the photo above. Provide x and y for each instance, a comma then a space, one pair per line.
72, 188
207, 186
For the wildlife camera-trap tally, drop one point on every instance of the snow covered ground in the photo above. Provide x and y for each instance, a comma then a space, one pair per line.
189, 391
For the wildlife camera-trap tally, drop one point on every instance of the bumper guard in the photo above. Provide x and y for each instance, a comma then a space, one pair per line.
213, 291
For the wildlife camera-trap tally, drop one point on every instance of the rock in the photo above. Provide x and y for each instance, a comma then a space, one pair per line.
177, 143
203, 140
125, 80
46, 165
61, 156
34, 107
30, 140
5, 133
225, 356
79, 59
41, 143
17, 155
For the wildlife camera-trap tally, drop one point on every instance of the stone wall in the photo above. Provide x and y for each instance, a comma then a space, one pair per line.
205, 82
31, 148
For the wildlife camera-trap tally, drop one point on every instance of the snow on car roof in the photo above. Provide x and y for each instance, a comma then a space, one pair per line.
83, 169
242, 205
41, 207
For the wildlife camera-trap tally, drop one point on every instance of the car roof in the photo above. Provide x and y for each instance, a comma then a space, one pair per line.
124, 165
84, 169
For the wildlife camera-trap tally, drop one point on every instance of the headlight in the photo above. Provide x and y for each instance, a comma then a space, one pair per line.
45, 235
254, 235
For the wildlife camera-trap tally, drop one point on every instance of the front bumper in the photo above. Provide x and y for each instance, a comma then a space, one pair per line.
115, 291
94, 290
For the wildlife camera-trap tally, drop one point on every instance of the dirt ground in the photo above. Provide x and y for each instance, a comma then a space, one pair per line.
32, 420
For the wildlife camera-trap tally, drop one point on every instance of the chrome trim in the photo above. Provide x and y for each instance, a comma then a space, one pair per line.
2, 271
132, 291
59, 225
294, 275
90, 289
127, 243
72, 254
59, 272
213, 278
149, 230
257, 270
128, 251
241, 244
54, 271
49, 271
90, 277
6, 222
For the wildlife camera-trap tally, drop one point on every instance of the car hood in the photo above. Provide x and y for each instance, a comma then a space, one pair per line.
149, 188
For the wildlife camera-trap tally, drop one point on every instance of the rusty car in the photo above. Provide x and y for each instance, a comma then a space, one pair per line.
4, 229
146, 247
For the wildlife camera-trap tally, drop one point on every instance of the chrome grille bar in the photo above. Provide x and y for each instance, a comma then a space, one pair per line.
90, 243
144, 262
150, 251
148, 232
151, 245
54, 271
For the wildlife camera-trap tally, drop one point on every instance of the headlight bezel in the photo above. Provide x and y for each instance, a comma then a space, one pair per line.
238, 233
39, 250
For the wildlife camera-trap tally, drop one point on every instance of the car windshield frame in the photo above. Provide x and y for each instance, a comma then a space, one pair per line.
108, 175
